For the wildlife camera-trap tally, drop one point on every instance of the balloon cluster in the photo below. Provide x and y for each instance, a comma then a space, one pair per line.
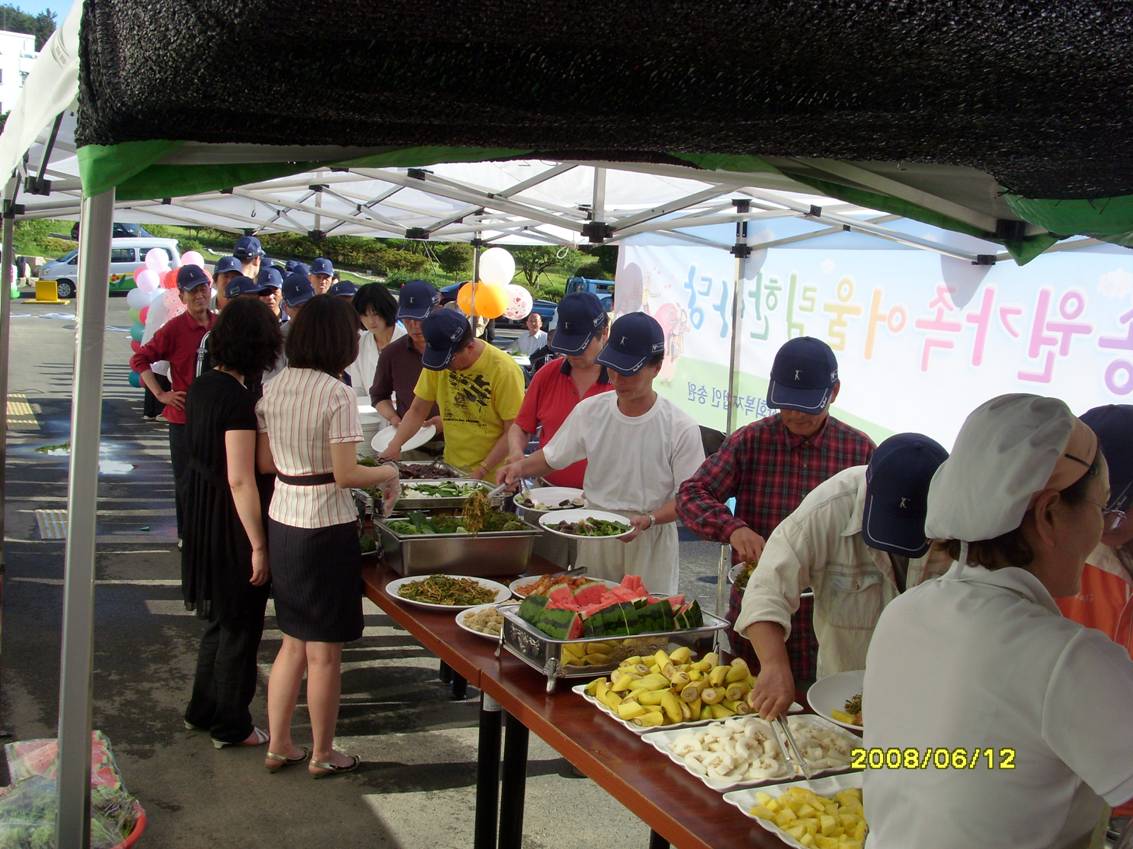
155, 298
494, 294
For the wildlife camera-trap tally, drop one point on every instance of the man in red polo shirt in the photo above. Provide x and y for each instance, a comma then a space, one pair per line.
558, 386
177, 341
769, 466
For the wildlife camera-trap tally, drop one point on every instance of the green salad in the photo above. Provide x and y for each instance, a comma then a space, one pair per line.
421, 523
440, 489
591, 527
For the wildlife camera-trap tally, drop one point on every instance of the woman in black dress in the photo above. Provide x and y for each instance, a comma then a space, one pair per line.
224, 563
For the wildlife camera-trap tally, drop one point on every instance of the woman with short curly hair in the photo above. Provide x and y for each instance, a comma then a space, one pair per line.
224, 565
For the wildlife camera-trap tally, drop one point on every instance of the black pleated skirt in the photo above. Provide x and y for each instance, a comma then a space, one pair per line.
316, 580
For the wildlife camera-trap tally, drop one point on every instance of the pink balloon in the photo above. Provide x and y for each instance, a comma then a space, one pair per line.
173, 304
157, 259
192, 258
138, 271
147, 280
519, 302
142, 313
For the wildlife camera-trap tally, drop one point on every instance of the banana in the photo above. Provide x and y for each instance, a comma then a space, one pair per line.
611, 699
621, 682
694, 673
601, 689
640, 669
650, 719
740, 663
680, 656
599, 648
690, 692
709, 660
596, 659
632, 661
706, 712
711, 695
719, 712
717, 676
740, 708
661, 659
650, 697
680, 681
686, 710
695, 708
672, 707
630, 709
736, 673
735, 692
592, 687
653, 681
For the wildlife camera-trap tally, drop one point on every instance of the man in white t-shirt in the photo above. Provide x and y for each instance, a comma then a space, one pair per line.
639, 448
531, 341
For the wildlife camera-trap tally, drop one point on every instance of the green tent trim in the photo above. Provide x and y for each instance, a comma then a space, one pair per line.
1109, 219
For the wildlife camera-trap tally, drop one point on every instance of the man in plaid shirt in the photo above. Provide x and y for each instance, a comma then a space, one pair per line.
769, 466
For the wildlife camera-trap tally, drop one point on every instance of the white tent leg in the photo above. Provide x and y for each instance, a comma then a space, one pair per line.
6, 281
82, 494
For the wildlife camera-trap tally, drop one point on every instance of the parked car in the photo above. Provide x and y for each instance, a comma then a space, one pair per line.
590, 284
121, 231
126, 254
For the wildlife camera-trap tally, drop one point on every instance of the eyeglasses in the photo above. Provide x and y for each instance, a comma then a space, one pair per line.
1111, 516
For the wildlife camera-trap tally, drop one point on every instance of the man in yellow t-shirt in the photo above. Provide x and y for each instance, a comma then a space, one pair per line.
478, 389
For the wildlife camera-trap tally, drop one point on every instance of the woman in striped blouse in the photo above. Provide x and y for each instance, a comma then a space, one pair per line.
309, 433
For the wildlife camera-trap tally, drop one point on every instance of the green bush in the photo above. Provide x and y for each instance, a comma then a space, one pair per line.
396, 279
594, 271
54, 248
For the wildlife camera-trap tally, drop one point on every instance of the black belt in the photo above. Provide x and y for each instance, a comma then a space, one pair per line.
305, 480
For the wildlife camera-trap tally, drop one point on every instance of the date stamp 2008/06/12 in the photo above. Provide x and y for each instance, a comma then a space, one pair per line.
932, 758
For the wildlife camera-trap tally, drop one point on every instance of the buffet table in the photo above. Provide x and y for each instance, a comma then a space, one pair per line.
678, 809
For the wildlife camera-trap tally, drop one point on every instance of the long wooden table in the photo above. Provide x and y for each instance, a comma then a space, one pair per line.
678, 808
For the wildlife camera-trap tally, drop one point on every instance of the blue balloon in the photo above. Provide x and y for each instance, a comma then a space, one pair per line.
135, 380
137, 331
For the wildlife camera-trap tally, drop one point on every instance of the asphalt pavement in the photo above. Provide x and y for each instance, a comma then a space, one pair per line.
416, 787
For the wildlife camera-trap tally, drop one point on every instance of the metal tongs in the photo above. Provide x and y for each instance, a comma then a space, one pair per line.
793, 752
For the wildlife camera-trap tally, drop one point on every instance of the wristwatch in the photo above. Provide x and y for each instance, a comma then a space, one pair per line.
652, 520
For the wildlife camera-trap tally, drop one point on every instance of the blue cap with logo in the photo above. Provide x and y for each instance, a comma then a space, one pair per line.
322, 265
444, 331
415, 300
241, 285
189, 277
580, 317
226, 264
896, 493
297, 289
1113, 424
270, 278
247, 247
802, 376
635, 338
343, 289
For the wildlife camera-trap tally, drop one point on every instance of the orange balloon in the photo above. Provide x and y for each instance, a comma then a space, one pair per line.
169, 279
491, 299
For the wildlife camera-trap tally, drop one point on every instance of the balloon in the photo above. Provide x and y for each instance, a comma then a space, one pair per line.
173, 305
137, 298
143, 313
519, 302
136, 331
135, 345
135, 316
135, 380
497, 266
148, 280
157, 259
192, 258
491, 300
169, 279
138, 271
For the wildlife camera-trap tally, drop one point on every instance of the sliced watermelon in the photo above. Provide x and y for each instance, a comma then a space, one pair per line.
634, 582
562, 598
589, 594
677, 602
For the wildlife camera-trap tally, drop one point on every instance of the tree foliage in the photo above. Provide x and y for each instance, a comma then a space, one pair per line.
15, 19
534, 262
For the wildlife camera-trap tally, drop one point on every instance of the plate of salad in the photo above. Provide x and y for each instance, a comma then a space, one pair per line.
447, 592
586, 524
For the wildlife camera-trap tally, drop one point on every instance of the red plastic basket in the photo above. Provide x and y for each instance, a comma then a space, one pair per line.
136, 834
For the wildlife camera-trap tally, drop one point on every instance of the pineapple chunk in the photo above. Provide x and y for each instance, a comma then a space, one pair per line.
805, 810
826, 824
796, 831
825, 842
762, 813
785, 817
807, 840
763, 797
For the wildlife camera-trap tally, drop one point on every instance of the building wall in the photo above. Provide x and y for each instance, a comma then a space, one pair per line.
17, 53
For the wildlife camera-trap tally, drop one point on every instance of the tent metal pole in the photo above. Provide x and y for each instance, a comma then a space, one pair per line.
73, 824
8, 260
477, 246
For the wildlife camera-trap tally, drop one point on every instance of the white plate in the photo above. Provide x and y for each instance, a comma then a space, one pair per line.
556, 516
662, 741
383, 438
502, 592
637, 729
468, 612
745, 799
521, 359
830, 693
518, 582
552, 495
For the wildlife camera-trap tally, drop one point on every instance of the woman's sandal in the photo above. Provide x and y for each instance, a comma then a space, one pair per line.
274, 762
321, 769
258, 737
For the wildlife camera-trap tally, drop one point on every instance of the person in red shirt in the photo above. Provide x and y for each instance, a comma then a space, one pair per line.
559, 385
769, 466
177, 341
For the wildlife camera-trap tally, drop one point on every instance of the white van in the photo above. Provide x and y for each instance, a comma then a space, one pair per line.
126, 254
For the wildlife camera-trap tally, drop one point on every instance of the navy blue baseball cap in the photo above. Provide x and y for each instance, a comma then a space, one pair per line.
635, 338
415, 300
322, 265
896, 493
581, 316
269, 278
297, 289
189, 277
444, 332
241, 285
343, 289
226, 264
1113, 424
802, 376
247, 247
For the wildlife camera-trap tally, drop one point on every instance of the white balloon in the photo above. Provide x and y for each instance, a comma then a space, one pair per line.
497, 266
137, 298
157, 259
148, 280
519, 302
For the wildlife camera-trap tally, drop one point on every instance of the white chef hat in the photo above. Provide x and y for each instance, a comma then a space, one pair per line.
1009, 449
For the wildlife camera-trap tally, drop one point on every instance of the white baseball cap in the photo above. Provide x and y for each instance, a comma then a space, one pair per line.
1009, 449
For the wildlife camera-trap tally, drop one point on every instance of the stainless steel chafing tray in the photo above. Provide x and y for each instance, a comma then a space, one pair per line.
484, 554
410, 501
